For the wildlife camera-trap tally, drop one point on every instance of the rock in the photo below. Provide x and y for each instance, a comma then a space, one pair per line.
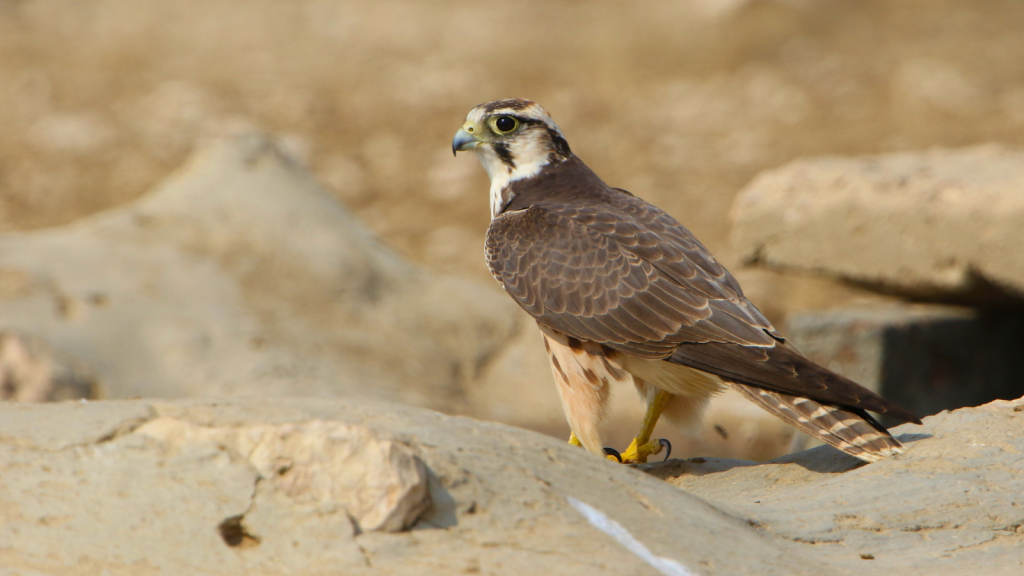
32, 371
294, 485
927, 358
950, 504
317, 486
380, 484
78, 135
235, 275
939, 225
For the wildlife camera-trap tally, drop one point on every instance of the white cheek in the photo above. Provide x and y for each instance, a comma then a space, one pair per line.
531, 155
492, 163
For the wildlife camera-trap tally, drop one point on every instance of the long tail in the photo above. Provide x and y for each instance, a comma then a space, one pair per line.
852, 431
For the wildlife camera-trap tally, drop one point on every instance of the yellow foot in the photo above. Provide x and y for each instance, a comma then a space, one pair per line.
638, 452
574, 440
633, 454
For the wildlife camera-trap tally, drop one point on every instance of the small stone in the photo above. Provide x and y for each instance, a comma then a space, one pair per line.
32, 371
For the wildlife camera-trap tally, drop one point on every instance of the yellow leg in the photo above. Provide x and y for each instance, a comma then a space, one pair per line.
574, 440
642, 446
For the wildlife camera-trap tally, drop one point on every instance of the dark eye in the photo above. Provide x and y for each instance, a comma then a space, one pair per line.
506, 124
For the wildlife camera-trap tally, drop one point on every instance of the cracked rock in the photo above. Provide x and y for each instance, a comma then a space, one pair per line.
380, 483
326, 486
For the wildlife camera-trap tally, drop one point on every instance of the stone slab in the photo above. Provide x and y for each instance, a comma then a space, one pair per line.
939, 225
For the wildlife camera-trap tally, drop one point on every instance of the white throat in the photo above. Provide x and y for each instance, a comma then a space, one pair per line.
528, 163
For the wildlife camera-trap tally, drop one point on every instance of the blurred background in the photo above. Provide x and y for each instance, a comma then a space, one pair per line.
222, 198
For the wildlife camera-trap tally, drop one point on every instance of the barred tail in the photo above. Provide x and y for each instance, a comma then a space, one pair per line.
852, 431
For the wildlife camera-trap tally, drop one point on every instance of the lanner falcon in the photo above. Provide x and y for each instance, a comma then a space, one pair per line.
622, 292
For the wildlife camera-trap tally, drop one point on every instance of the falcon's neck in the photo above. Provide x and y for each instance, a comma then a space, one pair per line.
563, 182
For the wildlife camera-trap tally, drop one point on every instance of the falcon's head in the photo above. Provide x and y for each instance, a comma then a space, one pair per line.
513, 138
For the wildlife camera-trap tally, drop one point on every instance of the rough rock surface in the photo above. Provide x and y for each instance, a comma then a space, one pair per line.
943, 224
952, 504
285, 486
319, 486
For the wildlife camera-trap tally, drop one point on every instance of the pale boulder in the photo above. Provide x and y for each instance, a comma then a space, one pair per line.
237, 274
941, 224
288, 485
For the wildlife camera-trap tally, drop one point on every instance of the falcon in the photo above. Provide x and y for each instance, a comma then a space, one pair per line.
623, 293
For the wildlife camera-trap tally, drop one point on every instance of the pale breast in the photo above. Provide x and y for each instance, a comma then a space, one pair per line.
672, 378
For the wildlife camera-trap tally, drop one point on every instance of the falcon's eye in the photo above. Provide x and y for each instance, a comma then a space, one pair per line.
505, 124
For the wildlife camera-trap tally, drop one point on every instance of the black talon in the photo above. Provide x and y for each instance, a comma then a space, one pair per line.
668, 447
613, 452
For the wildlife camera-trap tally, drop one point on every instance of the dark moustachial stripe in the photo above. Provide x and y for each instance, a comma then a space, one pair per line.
503, 152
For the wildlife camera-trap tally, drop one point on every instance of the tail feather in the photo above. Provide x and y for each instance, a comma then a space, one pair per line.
851, 430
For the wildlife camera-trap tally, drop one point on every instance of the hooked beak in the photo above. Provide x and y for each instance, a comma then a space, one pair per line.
464, 141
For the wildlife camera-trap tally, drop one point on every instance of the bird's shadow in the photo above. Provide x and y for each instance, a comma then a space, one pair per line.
911, 438
820, 459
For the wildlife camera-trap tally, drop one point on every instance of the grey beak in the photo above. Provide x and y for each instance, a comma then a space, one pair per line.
463, 141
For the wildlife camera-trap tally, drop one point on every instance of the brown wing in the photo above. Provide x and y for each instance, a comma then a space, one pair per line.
584, 282
610, 268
